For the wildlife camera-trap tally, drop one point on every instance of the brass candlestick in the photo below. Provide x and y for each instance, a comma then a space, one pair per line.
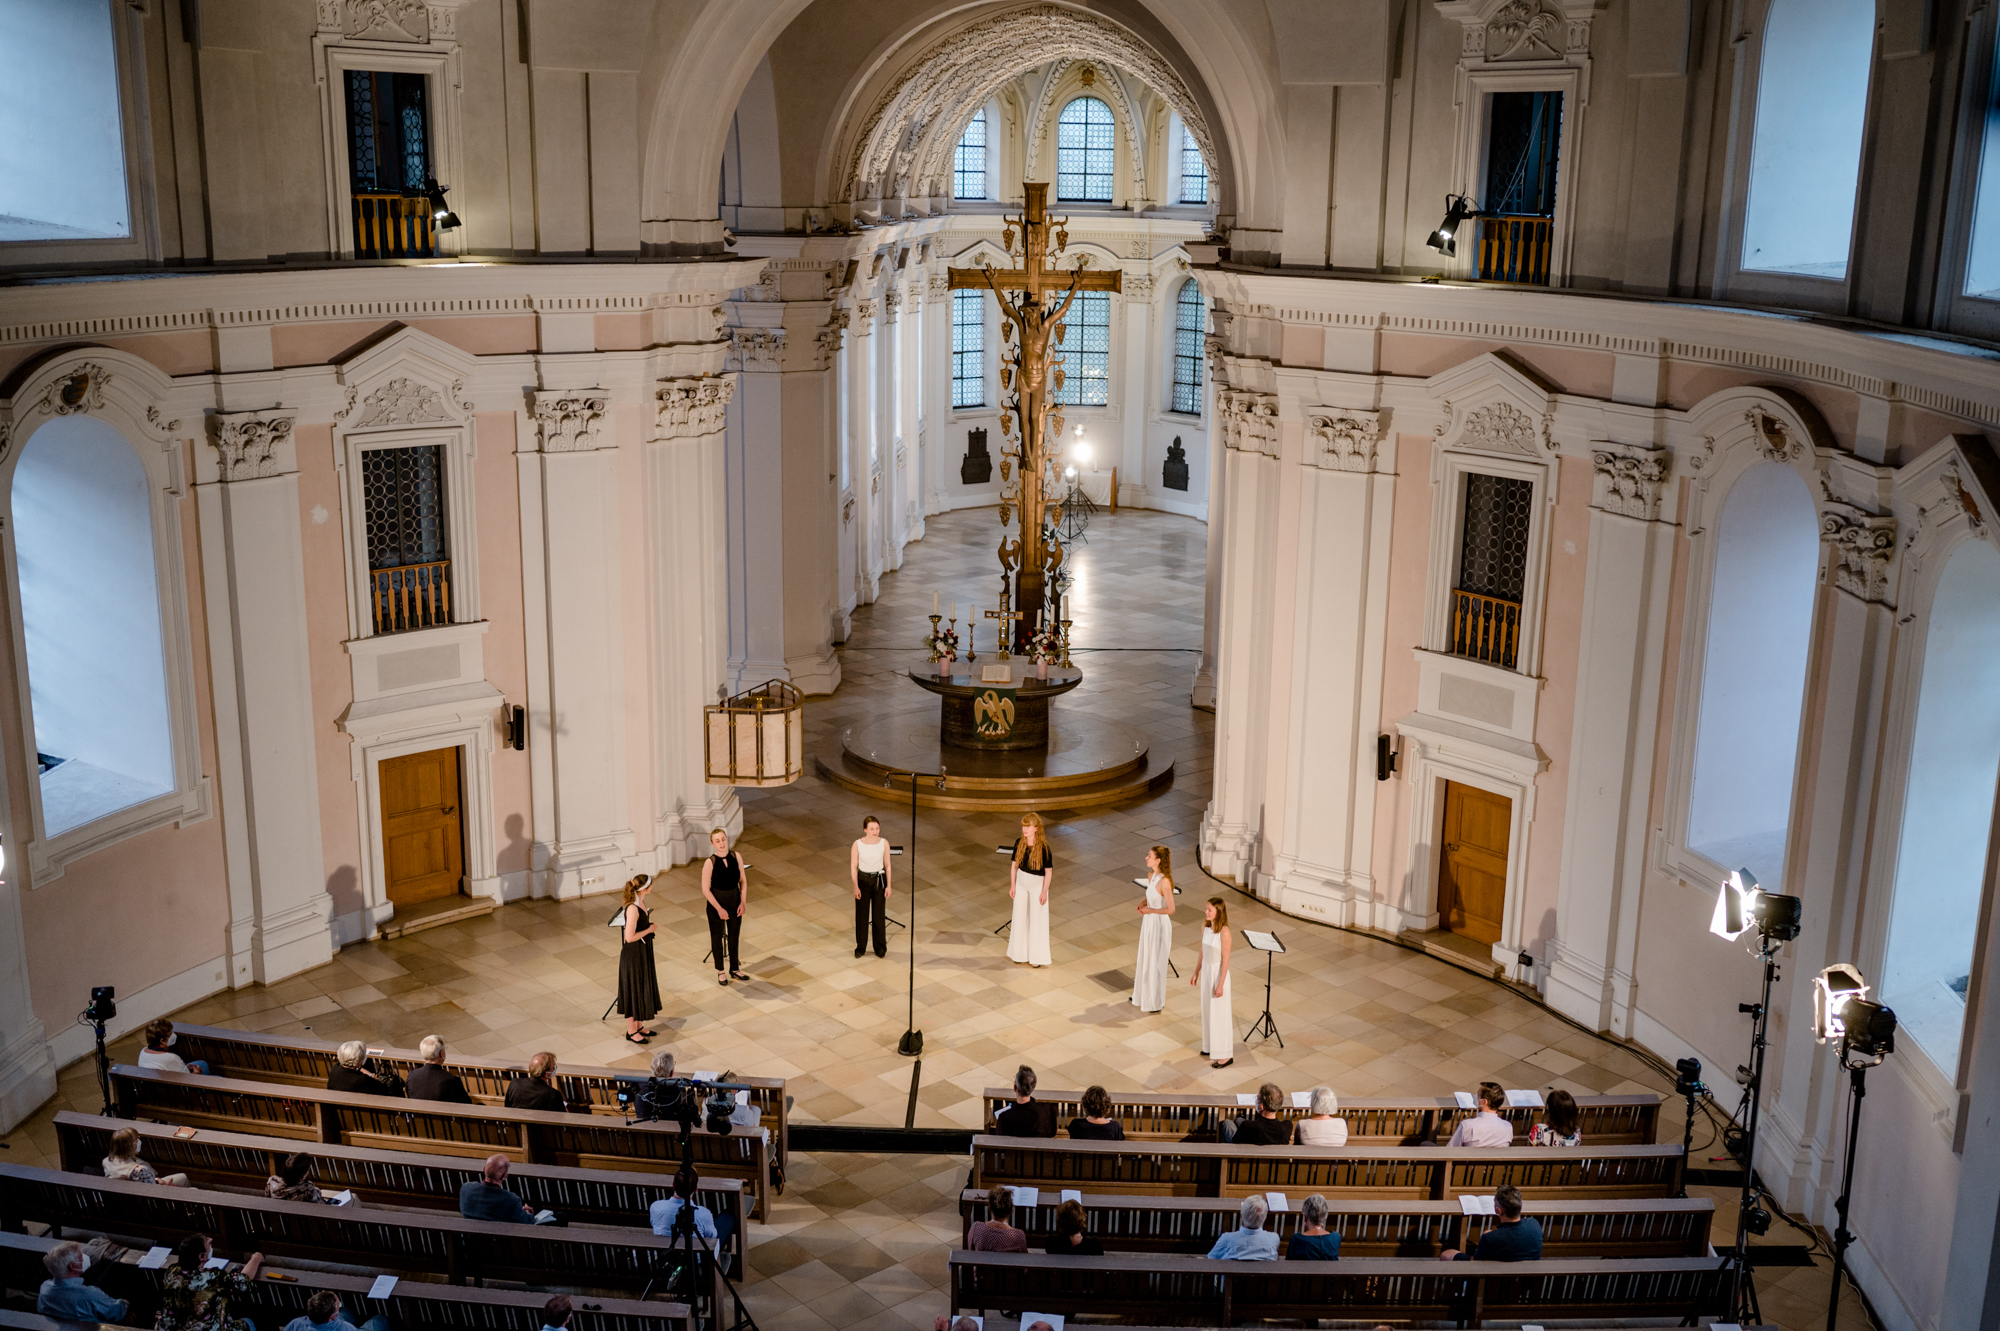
1065, 642
931, 643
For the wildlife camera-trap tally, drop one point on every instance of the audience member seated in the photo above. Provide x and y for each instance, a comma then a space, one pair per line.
1511, 1238
1249, 1241
487, 1198
124, 1162
745, 1115
715, 1230
66, 1298
1319, 1127
994, 1234
1313, 1243
1562, 1122
1097, 1123
955, 1324
1072, 1236
354, 1075
430, 1081
555, 1313
537, 1090
1263, 1128
196, 1297
160, 1040
1027, 1116
293, 1182
324, 1313
1485, 1128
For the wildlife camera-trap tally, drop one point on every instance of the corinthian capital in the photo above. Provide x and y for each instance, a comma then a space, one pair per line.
691, 408
252, 444
570, 420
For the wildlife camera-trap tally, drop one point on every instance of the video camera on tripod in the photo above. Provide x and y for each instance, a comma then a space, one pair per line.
685, 1101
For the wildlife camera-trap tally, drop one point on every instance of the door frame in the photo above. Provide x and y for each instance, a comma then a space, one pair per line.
462, 888
1472, 758
1444, 805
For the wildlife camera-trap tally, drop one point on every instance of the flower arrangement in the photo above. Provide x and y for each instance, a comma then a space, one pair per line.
942, 642
1045, 645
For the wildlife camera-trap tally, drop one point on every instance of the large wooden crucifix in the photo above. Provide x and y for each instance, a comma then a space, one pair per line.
1033, 322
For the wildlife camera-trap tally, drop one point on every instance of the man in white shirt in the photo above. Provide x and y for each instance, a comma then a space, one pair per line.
716, 1233
159, 1041
1485, 1128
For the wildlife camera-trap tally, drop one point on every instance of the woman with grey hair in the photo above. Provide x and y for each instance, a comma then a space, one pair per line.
1313, 1243
1320, 1127
1249, 1241
354, 1075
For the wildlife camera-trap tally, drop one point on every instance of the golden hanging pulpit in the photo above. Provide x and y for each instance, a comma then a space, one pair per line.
757, 738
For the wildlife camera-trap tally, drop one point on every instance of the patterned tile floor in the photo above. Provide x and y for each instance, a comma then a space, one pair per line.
860, 1240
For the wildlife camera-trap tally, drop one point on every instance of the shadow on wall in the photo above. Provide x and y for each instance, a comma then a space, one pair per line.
344, 886
514, 855
1538, 942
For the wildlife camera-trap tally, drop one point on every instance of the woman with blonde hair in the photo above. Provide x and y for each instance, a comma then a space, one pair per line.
1218, 1026
121, 1160
1156, 932
1028, 878
638, 979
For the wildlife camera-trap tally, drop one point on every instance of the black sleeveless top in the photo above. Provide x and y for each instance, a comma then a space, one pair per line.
725, 880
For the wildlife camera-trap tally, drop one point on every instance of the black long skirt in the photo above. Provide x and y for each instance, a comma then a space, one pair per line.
638, 982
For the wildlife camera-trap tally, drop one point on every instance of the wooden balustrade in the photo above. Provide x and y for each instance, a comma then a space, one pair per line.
392, 226
1485, 628
411, 596
1516, 249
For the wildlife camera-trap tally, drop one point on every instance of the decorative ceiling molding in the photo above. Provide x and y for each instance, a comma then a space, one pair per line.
904, 148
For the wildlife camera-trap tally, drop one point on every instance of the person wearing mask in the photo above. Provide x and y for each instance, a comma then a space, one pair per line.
353, 1072
1096, 1123
429, 1080
158, 1053
1511, 1237
121, 1160
1027, 1116
293, 1182
994, 1233
324, 1313
196, 1297
1249, 1241
1313, 1243
65, 1298
1485, 1128
537, 1088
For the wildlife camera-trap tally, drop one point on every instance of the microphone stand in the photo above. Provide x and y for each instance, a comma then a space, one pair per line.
912, 1043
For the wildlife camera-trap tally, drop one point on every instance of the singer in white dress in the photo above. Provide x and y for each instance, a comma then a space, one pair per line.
1029, 876
1156, 932
1218, 1026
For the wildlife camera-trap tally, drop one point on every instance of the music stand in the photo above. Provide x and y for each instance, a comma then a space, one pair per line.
1269, 945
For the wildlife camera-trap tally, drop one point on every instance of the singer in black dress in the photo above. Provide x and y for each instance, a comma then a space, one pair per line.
638, 981
725, 891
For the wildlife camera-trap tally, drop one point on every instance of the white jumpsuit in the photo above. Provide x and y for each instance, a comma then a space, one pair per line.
1218, 1026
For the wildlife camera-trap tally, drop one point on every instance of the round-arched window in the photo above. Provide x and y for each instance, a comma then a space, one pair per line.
1085, 133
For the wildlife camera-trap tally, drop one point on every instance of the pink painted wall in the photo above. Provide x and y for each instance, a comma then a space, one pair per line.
1303, 345
623, 332
1421, 356
497, 478
485, 335
175, 353
320, 524
1555, 715
323, 343
1409, 564
143, 910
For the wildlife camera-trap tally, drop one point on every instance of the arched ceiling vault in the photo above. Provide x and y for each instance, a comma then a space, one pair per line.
903, 147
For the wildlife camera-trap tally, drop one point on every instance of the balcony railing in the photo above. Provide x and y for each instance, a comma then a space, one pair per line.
393, 226
414, 596
1485, 628
1515, 249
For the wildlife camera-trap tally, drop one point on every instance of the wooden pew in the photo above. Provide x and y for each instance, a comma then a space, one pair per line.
1607, 1120
242, 1161
1190, 1225
295, 1061
413, 1304
403, 1241
312, 1114
1156, 1288
1387, 1173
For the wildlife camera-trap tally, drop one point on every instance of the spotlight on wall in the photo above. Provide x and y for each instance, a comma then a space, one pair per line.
442, 217
1445, 239
1742, 905
1386, 757
514, 727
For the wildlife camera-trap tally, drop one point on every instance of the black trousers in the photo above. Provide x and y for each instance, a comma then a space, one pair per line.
718, 928
869, 907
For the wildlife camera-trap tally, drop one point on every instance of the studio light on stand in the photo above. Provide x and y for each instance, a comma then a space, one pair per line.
1741, 906
1866, 1034
1458, 210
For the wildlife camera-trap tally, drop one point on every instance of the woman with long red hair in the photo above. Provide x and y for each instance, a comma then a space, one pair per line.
1029, 875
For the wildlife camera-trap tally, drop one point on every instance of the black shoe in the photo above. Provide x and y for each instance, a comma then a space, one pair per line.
858, 951
881, 954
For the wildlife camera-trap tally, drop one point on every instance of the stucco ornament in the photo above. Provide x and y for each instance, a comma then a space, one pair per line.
249, 444
79, 392
1346, 439
1774, 440
1523, 30
402, 402
1628, 480
1249, 421
1862, 545
691, 408
386, 20
568, 420
1499, 427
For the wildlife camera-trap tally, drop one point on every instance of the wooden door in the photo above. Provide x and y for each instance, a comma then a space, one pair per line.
422, 835
1472, 871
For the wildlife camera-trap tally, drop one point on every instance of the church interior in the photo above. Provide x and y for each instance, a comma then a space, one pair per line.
1417, 563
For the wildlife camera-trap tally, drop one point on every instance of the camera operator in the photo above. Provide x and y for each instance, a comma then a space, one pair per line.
717, 1232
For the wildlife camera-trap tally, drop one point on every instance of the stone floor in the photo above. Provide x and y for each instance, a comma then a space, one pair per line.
861, 1240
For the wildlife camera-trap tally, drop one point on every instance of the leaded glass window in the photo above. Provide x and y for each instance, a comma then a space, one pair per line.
1493, 555
1085, 351
969, 160
1194, 171
388, 132
1084, 137
968, 349
1190, 326
402, 491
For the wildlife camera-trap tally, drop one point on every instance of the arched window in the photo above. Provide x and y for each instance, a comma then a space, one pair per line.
968, 348
968, 166
1190, 324
62, 160
1194, 172
90, 612
1812, 94
1754, 673
1947, 809
1084, 135
1982, 260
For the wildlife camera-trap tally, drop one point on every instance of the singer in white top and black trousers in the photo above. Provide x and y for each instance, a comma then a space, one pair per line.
868, 871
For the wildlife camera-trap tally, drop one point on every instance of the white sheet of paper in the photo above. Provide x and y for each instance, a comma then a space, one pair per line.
1263, 942
345, 1197
1470, 1205
1276, 1202
382, 1287
1071, 1195
215, 1264
1054, 1320
703, 1076
1027, 1196
1464, 1099
743, 1097
1524, 1099
155, 1258
1245, 1098
1302, 1099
